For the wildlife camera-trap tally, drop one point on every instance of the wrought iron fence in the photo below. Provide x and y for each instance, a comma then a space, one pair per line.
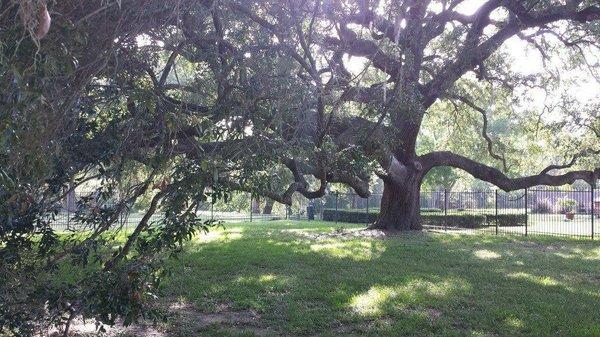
526, 212
540, 211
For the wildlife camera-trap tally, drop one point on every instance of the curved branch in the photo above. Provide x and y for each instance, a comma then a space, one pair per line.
359, 47
520, 19
496, 177
285, 198
484, 133
583, 153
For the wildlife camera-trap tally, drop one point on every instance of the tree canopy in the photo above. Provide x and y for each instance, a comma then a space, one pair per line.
161, 100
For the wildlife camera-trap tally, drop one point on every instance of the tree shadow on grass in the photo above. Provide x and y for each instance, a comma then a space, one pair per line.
413, 284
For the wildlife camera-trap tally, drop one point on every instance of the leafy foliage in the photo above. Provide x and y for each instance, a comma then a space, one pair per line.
158, 106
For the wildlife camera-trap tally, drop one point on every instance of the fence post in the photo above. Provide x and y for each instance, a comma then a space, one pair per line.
526, 213
496, 206
250, 207
367, 214
336, 208
69, 216
445, 209
593, 211
212, 208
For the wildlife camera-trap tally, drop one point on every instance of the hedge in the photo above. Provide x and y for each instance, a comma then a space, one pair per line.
454, 220
430, 210
349, 216
504, 220
432, 217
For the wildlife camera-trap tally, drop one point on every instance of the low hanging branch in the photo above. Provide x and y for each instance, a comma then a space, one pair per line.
142, 225
496, 177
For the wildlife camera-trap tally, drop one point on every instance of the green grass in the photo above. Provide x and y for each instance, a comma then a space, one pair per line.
283, 278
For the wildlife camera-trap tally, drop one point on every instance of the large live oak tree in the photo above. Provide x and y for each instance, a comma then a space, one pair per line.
421, 49
282, 90
150, 99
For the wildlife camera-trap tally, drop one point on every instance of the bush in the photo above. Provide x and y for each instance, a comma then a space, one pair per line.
505, 220
351, 216
433, 217
428, 218
543, 206
430, 210
566, 205
454, 220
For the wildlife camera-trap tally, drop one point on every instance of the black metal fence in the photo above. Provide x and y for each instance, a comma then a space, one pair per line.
240, 207
533, 211
527, 212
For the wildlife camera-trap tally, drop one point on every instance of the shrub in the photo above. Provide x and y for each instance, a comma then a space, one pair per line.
428, 218
351, 216
543, 206
430, 210
565, 205
454, 220
505, 220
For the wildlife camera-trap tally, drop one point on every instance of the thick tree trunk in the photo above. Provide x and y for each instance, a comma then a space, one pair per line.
268, 209
400, 206
256, 205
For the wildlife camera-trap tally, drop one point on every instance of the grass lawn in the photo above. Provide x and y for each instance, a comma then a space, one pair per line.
295, 278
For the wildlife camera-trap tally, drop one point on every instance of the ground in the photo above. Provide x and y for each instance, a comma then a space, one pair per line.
292, 278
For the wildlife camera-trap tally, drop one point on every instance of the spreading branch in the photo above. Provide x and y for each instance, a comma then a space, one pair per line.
496, 177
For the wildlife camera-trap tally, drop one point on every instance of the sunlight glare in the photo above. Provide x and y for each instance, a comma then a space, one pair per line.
484, 254
469, 7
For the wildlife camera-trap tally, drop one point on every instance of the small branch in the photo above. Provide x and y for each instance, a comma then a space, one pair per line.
136, 233
484, 133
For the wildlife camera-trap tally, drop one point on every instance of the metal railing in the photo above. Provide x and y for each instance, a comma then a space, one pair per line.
526, 212
536, 211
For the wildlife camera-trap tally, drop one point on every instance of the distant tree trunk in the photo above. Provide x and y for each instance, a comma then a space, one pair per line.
268, 209
256, 205
70, 201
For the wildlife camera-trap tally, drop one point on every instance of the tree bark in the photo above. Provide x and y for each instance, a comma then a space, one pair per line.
400, 205
256, 205
268, 209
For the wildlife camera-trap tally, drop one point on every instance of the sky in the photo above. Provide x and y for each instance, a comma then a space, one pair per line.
526, 60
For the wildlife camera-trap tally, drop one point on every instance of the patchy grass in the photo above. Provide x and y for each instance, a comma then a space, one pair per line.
317, 279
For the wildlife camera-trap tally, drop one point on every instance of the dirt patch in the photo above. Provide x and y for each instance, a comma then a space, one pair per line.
80, 328
183, 319
185, 312
188, 319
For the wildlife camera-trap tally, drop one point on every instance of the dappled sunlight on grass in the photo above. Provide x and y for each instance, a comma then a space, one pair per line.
588, 254
265, 281
355, 250
514, 323
583, 253
381, 299
314, 278
484, 254
267, 278
371, 303
221, 235
541, 280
